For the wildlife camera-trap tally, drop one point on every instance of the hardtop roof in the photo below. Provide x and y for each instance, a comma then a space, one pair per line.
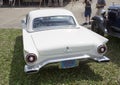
49, 12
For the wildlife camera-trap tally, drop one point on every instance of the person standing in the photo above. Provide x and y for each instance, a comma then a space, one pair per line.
49, 2
1, 2
55, 2
10, 2
14, 1
61, 3
88, 11
100, 6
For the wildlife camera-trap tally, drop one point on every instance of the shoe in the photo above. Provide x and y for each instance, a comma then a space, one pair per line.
89, 23
85, 23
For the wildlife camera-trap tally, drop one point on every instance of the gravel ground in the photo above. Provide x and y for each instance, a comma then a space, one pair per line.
11, 17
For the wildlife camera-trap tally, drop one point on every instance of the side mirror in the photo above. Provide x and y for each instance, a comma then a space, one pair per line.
23, 23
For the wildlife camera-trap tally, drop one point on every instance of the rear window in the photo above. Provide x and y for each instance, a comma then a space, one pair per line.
52, 21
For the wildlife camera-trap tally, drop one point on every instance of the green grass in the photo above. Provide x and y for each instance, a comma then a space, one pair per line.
91, 73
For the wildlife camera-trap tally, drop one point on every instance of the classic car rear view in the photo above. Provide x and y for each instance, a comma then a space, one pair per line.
54, 36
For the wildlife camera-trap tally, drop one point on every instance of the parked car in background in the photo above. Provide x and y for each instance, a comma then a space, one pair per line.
54, 36
108, 23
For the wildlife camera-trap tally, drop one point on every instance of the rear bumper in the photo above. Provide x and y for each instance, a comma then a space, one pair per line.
34, 69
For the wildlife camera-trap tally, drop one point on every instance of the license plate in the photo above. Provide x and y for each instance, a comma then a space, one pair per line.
68, 64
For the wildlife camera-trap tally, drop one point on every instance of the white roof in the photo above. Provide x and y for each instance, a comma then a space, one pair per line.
49, 12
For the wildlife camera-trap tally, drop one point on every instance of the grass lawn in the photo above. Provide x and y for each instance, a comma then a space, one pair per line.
91, 73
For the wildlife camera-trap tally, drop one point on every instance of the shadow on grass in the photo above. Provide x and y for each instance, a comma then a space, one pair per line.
114, 50
48, 75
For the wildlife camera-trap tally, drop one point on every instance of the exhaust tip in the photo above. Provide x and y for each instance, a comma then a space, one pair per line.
32, 71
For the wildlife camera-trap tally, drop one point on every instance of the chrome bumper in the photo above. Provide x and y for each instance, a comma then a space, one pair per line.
31, 69
102, 59
34, 69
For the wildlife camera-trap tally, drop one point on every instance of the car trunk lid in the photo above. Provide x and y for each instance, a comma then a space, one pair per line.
62, 41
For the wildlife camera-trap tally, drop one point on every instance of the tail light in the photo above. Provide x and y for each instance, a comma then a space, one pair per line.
102, 49
30, 58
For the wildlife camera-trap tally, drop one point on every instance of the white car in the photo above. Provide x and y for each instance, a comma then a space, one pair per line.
54, 36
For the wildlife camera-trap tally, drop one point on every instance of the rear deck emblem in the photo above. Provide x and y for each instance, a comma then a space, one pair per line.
67, 48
